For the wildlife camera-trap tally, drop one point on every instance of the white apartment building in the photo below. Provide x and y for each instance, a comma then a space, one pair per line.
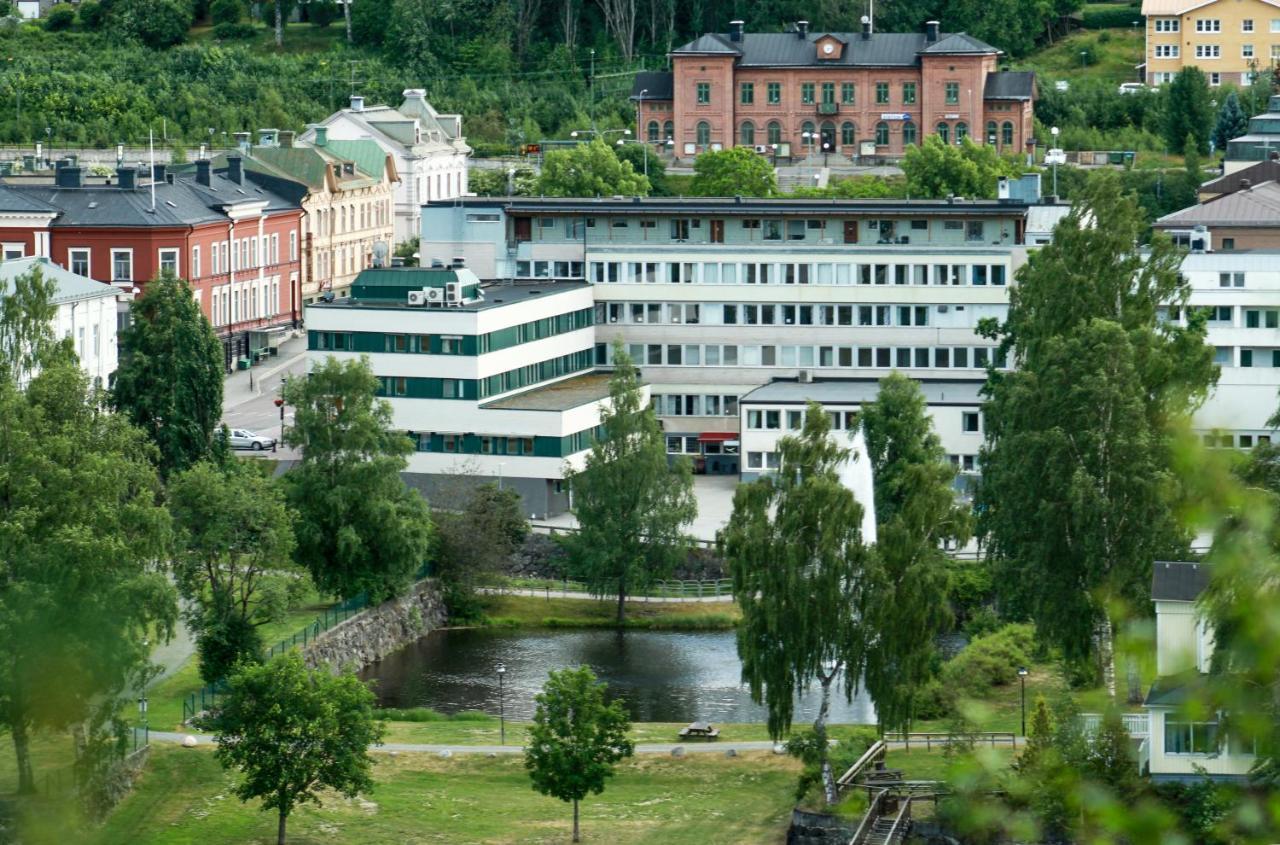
429, 150
86, 313
493, 384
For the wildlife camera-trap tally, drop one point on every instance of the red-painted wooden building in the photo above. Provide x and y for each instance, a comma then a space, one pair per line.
236, 241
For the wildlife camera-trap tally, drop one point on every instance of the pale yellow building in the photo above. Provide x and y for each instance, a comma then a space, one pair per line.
1227, 39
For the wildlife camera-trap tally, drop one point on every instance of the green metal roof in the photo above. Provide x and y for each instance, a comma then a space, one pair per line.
394, 283
367, 155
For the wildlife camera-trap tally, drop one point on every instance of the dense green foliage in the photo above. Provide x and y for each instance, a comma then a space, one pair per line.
359, 528
575, 739
804, 579
1189, 111
589, 170
26, 319
233, 558
294, 732
632, 505
736, 171
936, 169
170, 378
474, 544
1232, 122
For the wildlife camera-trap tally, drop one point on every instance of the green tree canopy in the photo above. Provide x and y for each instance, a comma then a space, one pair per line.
575, 739
26, 325
169, 382
1077, 494
935, 169
590, 170
80, 533
657, 172
736, 171
917, 515
803, 578
1188, 111
632, 505
1232, 122
359, 528
293, 731
476, 543
234, 558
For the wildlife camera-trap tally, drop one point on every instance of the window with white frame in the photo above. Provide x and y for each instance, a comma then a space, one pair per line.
169, 261
293, 245
122, 265
275, 248
78, 261
1208, 51
1187, 737
1167, 24
1246, 25
1208, 25
14, 250
253, 252
1215, 78
195, 262
1275, 52
1246, 51
1275, 24
1166, 51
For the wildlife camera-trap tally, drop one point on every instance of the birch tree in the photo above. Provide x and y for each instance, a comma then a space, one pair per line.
803, 579
620, 21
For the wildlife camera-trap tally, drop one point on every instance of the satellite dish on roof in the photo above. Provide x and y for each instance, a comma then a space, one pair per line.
379, 253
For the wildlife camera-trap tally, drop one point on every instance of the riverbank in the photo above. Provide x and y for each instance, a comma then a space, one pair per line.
531, 611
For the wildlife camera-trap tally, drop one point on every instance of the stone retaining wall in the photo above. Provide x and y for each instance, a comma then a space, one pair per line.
374, 633
819, 829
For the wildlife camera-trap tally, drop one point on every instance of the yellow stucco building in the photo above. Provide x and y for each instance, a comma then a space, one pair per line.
1227, 39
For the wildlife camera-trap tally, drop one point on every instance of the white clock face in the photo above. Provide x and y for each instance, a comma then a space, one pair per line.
828, 48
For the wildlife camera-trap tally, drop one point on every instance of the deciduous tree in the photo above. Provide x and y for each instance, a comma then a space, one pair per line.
27, 312
359, 528
293, 732
935, 169
736, 171
632, 505
917, 515
803, 578
589, 170
576, 738
1188, 111
169, 382
476, 543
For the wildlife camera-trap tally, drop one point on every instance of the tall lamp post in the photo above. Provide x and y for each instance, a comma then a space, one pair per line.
502, 717
279, 400
1054, 132
1022, 680
142, 714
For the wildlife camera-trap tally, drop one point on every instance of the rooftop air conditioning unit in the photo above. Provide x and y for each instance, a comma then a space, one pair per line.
805, 377
453, 292
434, 294
761, 148
417, 297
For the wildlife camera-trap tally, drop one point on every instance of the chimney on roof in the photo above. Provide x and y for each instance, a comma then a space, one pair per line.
286, 138
157, 172
415, 93
735, 30
242, 141
1245, 184
866, 28
202, 171
319, 134
235, 169
357, 102
931, 31
127, 178
267, 137
68, 176
168, 177
802, 30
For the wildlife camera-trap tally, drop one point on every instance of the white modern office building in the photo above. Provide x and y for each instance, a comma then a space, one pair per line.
87, 313
492, 383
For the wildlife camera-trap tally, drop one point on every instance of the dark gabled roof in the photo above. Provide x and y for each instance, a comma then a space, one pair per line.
1263, 171
1178, 580
1010, 85
656, 85
787, 49
19, 202
1175, 690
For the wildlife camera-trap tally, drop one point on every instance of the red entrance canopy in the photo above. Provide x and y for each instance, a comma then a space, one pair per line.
717, 436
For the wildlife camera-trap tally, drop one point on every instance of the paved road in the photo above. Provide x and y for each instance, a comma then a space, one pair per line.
249, 396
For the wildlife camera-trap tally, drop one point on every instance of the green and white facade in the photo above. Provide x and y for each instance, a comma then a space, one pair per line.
492, 383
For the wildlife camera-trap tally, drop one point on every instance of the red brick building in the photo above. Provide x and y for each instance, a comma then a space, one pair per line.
235, 240
863, 94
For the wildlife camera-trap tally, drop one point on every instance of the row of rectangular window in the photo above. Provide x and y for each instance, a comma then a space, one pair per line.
1210, 25
809, 90
694, 404
772, 420
1227, 440
770, 229
752, 314
775, 273
687, 445
549, 269
772, 460
448, 388
877, 357
441, 344
519, 446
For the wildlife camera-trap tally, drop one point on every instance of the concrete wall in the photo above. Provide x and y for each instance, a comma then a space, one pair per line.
539, 497
377, 632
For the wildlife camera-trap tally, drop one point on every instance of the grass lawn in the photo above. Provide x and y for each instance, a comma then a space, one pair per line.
185, 799
1114, 56
298, 38
572, 613
919, 764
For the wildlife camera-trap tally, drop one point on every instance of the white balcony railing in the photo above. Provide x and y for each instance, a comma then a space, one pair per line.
1136, 724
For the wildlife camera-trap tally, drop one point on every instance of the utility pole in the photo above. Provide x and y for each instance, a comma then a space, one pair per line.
592, 79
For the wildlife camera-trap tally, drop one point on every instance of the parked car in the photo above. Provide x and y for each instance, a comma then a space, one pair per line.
1131, 87
244, 439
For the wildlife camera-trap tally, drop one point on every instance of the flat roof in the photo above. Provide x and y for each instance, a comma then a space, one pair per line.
496, 295
734, 205
564, 395
860, 391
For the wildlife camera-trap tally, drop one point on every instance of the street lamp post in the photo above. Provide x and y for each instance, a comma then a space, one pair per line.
1054, 132
142, 713
639, 110
502, 717
1022, 680
279, 400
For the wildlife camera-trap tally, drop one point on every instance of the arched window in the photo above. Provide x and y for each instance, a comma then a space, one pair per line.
653, 131
748, 134
882, 134
848, 134
944, 132
962, 131
908, 133
668, 131
808, 136
1006, 133
991, 136
704, 134
775, 132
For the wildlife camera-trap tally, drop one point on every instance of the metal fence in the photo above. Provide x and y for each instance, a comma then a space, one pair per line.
207, 696
666, 589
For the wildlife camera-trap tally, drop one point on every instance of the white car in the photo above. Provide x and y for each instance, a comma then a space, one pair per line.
244, 439
1131, 87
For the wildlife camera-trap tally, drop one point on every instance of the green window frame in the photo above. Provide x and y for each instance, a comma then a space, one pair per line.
908, 93
908, 133
806, 93
951, 92
703, 90
829, 93
882, 93
848, 93
747, 93
773, 93
882, 134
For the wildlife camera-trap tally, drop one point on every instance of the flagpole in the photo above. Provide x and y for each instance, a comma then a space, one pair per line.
151, 136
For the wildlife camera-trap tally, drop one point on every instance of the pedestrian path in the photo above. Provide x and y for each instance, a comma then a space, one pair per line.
570, 594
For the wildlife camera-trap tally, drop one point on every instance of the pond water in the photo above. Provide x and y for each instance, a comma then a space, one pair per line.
662, 676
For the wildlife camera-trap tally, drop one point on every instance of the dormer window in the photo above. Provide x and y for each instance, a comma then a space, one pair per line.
829, 48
